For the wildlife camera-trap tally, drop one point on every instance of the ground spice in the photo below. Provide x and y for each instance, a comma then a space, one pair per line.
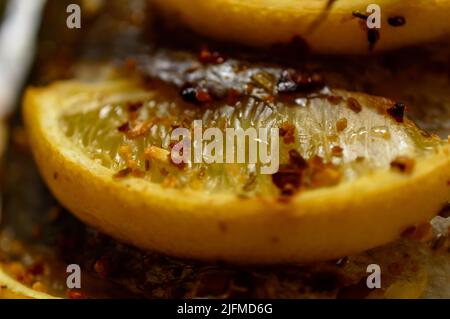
403, 164
354, 105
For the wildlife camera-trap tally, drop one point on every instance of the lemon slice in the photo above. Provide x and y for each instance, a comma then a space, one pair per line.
325, 26
12, 289
103, 150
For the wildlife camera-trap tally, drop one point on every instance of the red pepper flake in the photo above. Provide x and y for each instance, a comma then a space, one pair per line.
195, 95
269, 99
134, 106
297, 160
210, 57
232, 97
396, 21
334, 99
287, 131
123, 173
337, 151
403, 164
292, 81
354, 105
287, 179
397, 111
147, 165
125, 127
341, 124
104, 266
36, 269
72, 294
180, 165
203, 96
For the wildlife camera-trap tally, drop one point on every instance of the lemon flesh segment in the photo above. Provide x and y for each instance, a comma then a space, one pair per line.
73, 133
324, 26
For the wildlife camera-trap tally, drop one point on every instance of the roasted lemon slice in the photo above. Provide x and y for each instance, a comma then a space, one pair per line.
12, 289
325, 26
354, 173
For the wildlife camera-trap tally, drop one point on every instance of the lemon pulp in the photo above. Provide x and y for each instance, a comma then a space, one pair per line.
370, 140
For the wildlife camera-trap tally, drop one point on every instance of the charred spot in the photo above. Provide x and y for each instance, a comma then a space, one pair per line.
55, 175
397, 112
292, 81
397, 21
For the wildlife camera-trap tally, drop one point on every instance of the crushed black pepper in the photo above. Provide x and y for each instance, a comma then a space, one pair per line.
396, 21
397, 111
